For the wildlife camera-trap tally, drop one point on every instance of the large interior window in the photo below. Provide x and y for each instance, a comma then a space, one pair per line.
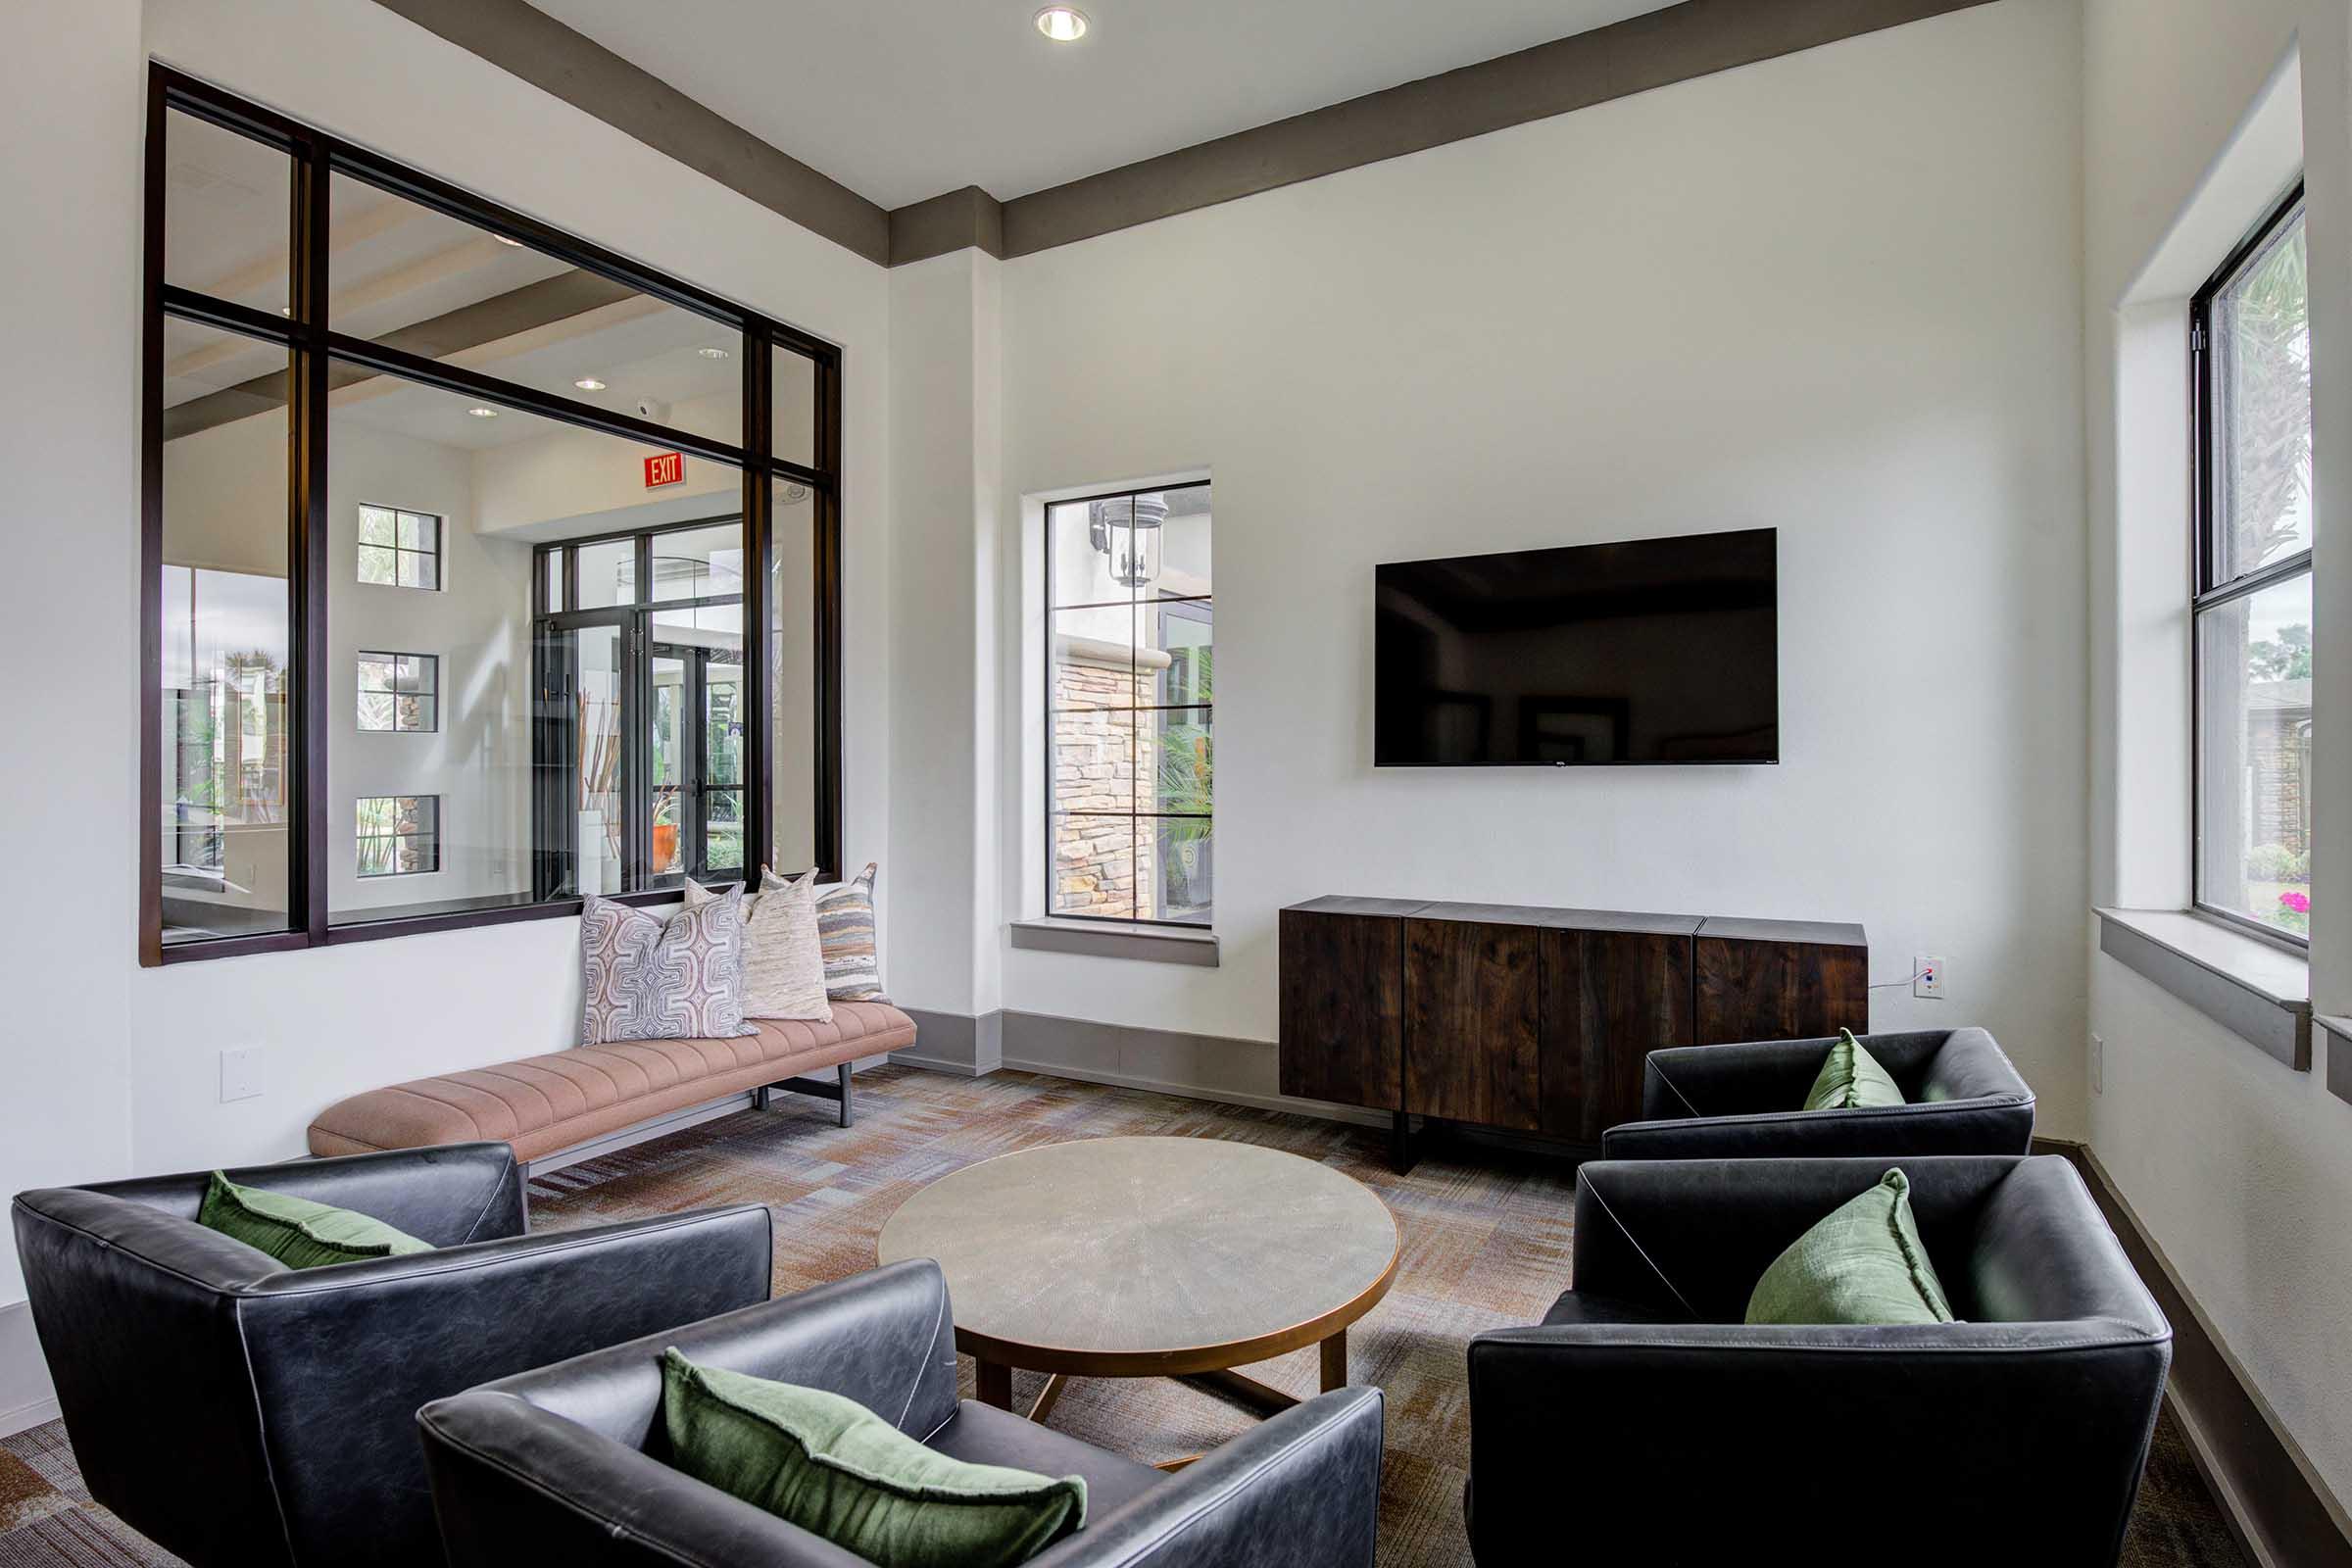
2251, 340
1130, 757
485, 568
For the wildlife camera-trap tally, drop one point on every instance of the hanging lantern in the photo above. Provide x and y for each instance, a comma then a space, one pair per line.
1126, 531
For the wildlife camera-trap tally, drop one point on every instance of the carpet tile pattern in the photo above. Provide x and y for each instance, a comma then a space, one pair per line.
1486, 1244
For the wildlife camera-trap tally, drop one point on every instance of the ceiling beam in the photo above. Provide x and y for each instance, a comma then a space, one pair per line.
959, 219
1657, 49
533, 45
1679, 43
567, 296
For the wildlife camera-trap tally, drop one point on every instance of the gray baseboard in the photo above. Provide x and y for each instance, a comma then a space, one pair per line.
2282, 1511
27, 1398
1167, 1061
955, 1042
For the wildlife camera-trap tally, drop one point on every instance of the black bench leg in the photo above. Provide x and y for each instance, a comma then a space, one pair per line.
848, 1112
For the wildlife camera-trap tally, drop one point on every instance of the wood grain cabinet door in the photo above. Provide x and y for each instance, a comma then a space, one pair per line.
1343, 1026
1471, 1005
1610, 997
1757, 990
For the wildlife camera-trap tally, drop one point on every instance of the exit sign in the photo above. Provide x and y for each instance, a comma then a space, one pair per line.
664, 467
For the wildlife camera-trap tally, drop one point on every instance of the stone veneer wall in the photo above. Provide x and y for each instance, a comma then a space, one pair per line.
1097, 862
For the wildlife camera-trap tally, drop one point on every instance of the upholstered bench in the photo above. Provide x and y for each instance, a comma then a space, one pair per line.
555, 1109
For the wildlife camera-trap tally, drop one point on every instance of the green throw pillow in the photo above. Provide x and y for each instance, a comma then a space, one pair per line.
838, 1470
1851, 1078
1862, 1264
297, 1232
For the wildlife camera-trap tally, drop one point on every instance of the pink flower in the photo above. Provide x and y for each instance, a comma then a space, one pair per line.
2300, 902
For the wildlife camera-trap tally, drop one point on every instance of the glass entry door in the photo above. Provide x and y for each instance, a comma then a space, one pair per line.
639, 737
583, 768
697, 761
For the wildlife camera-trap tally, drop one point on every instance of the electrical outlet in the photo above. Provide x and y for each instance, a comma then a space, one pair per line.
240, 1073
2098, 1065
1927, 977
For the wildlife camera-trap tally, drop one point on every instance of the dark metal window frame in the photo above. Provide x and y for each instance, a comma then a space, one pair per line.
308, 337
1133, 607
440, 533
432, 688
394, 839
2209, 591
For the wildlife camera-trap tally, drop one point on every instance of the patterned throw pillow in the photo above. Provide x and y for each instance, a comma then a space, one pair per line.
845, 927
651, 977
783, 966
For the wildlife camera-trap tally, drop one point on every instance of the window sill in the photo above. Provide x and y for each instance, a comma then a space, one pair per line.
1092, 939
2339, 1053
2259, 992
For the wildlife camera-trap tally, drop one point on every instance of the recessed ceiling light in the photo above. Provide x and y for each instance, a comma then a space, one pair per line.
589, 383
712, 354
503, 240
482, 412
1062, 24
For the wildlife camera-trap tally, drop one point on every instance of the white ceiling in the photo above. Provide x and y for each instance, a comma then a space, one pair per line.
905, 99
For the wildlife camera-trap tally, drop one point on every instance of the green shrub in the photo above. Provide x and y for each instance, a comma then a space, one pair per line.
2276, 863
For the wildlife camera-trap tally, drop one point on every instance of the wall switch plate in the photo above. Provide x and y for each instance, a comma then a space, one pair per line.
2099, 1065
240, 1073
1927, 977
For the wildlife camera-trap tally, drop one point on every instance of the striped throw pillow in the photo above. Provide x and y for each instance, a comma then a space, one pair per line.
845, 929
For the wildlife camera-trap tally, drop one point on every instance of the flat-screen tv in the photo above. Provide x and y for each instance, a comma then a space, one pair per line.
1650, 651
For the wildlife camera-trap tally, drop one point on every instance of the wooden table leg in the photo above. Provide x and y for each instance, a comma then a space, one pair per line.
995, 1383
1045, 1398
1241, 1388
1334, 1362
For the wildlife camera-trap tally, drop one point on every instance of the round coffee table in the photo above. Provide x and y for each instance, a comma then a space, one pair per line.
1128, 1258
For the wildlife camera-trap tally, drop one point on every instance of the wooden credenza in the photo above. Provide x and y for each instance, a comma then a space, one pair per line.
1535, 1019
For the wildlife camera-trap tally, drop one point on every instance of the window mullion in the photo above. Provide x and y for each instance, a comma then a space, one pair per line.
761, 652
309, 551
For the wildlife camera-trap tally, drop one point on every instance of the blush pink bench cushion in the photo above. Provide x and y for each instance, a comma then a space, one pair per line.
544, 1105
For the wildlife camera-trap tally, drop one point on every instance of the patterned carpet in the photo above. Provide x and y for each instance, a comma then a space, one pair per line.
1486, 1244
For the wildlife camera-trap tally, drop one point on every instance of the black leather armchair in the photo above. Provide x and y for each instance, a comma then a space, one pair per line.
1741, 1102
565, 1464
2017, 1434
237, 1412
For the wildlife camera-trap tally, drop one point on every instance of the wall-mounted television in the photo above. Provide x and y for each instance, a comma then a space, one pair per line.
1652, 651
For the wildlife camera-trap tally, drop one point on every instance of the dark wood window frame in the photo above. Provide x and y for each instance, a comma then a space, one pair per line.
2209, 589
1177, 603
309, 338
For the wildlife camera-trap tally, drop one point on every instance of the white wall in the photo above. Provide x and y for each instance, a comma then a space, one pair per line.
945, 397
112, 1068
478, 761
2238, 1166
1833, 294
70, 775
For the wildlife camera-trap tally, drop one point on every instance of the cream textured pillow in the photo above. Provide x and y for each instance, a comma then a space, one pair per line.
783, 962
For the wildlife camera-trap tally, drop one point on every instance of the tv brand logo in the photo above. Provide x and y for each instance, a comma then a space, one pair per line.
664, 467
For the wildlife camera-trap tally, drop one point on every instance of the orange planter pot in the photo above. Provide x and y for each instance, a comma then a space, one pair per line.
666, 845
